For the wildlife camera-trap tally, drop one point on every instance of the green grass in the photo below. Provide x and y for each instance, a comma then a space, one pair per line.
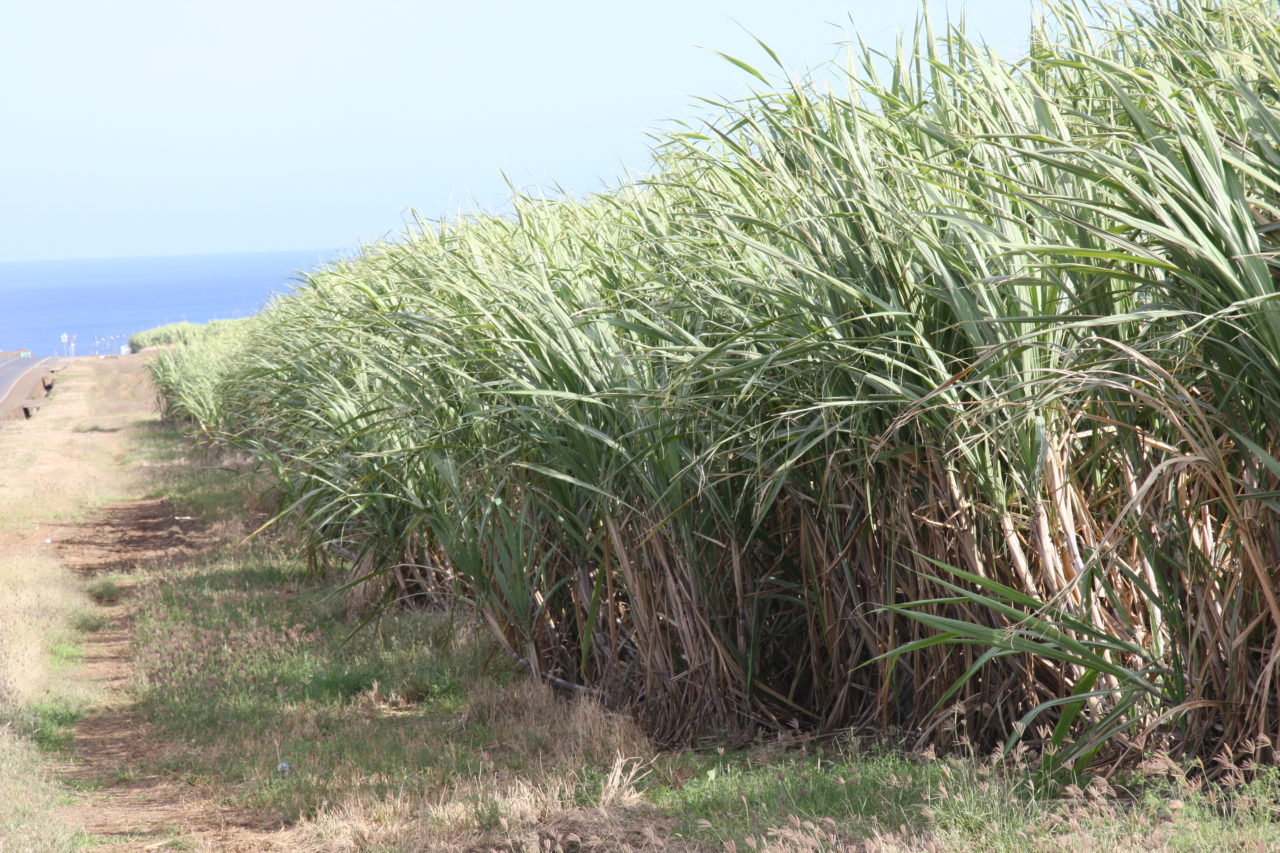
49, 723
845, 791
105, 590
249, 648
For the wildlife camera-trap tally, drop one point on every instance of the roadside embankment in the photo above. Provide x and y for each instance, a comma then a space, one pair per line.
24, 384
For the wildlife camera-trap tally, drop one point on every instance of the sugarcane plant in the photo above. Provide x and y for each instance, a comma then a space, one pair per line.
936, 393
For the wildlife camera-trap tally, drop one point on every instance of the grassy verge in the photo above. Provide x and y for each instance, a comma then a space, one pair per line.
54, 470
413, 724
827, 798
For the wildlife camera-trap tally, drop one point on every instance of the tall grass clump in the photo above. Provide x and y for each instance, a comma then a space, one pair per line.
943, 401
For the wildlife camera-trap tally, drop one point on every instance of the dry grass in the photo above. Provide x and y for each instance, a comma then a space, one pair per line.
544, 805
28, 821
56, 467
73, 454
530, 718
69, 459
41, 603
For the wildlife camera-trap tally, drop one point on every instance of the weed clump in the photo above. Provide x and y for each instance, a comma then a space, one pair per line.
105, 590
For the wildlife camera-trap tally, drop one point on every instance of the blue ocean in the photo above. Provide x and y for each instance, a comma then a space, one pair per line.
99, 303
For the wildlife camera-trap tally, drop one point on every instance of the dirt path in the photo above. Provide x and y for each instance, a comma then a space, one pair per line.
127, 806
70, 512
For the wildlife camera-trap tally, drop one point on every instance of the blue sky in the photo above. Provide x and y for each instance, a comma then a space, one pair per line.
149, 127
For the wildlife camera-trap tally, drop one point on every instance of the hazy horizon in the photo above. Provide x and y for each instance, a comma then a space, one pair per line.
102, 301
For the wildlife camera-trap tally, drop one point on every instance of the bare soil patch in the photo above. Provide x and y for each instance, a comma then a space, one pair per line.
129, 535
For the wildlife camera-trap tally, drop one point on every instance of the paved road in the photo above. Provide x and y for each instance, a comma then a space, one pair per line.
13, 369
